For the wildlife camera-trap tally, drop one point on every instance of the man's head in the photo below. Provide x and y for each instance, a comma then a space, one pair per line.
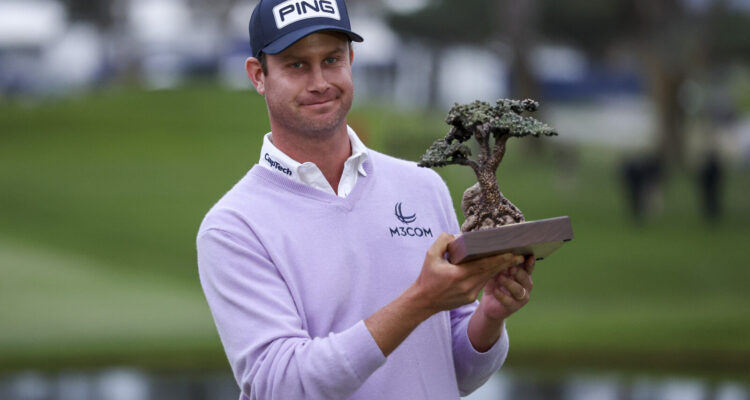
277, 24
304, 69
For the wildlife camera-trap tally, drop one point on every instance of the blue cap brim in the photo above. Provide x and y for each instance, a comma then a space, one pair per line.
290, 38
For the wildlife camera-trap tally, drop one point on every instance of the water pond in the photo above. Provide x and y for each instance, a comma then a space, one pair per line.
122, 383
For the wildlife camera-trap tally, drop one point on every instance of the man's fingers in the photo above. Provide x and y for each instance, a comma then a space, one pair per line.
529, 264
514, 259
523, 277
495, 263
504, 297
440, 246
516, 289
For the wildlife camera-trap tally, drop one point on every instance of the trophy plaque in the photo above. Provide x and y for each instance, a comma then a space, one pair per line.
493, 224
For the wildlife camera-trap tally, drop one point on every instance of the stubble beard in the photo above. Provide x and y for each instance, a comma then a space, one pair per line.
310, 128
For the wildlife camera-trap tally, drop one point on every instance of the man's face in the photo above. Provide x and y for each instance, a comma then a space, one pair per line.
309, 87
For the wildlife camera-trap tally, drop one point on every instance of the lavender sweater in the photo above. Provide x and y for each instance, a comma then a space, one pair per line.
290, 273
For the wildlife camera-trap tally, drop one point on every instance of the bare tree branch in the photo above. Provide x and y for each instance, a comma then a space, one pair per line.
470, 163
499, 151
481, 133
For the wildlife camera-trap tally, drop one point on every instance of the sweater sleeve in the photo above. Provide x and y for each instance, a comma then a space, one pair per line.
473, 368
270, 353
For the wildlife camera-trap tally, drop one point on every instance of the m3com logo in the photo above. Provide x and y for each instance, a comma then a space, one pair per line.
292, 11
407, 231
401, 217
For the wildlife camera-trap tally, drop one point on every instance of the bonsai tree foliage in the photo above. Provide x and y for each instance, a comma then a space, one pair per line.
483, 204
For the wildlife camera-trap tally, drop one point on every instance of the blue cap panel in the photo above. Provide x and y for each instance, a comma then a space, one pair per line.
277, 24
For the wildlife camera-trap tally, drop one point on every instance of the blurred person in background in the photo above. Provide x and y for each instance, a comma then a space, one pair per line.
710, 177
314, 263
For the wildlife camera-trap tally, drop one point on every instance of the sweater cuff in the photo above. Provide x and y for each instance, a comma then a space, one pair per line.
492, 358
360, 350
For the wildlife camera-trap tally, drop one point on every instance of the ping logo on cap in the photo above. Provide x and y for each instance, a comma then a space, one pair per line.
292, 11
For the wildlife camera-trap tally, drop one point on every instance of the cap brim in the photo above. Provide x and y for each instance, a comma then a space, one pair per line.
290, 38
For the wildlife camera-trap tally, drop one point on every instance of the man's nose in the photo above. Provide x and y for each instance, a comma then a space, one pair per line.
317, 81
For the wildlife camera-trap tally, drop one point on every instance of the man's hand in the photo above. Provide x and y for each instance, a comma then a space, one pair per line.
508, 291
503, 295
440, 286
444, 286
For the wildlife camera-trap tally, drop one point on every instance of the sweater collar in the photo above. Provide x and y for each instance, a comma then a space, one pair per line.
293, 187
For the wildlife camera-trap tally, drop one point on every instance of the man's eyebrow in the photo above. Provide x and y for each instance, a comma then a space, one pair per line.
286, 56
338, 50
341, 48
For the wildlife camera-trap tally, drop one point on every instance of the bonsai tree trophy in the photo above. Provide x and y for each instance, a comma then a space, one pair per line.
493, 224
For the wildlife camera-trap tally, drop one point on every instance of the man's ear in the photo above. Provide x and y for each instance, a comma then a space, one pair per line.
255, 73
351, 54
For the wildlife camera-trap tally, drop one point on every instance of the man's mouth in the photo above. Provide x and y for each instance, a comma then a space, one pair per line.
318, 102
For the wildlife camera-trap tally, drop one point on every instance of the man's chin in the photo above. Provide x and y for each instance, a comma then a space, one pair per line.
324, 119
318, 126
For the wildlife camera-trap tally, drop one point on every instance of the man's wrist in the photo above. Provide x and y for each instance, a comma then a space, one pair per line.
483, 331
390, 325
416, 304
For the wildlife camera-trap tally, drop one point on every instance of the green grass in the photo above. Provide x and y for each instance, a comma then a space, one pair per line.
61, 306
101, 197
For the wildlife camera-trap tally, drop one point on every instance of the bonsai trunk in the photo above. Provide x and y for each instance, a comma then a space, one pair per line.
490, 191
485, 207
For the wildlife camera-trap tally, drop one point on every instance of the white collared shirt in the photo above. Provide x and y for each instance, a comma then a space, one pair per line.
308, 173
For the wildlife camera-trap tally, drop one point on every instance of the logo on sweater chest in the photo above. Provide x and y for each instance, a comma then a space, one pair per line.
407, 219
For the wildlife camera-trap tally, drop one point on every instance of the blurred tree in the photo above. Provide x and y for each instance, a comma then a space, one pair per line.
673, 40
728, 34
671, 49
516, 24
98, 13
443, 23
498, 25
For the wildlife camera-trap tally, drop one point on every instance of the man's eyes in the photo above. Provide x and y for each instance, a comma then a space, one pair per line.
302, 64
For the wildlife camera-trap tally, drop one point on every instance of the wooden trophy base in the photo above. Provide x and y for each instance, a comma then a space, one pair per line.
539, 238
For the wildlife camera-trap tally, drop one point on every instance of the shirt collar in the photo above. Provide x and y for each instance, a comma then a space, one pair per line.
276, 160
359, 151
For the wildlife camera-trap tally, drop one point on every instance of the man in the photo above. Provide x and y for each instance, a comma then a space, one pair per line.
314, 263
